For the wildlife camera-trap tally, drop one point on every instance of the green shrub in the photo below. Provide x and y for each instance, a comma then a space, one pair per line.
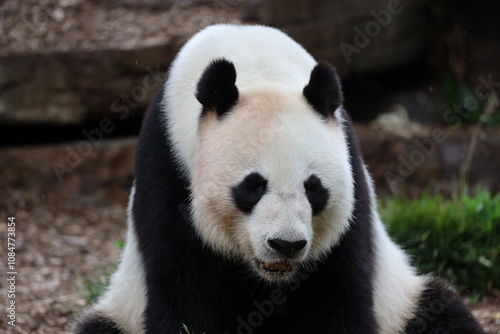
457, 238
186, 329
94, 286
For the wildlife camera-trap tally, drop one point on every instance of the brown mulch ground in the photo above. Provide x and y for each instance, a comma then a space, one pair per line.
58, 244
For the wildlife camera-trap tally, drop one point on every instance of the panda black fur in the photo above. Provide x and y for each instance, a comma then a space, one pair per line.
252, 210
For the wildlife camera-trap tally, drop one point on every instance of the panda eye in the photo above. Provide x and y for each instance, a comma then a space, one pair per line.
249, 192
316, 193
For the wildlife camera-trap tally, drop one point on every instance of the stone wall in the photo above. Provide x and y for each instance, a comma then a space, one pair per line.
80, 86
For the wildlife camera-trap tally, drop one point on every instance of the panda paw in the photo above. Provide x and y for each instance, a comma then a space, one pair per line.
96, 323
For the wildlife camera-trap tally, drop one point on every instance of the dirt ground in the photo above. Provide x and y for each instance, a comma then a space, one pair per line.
58, 244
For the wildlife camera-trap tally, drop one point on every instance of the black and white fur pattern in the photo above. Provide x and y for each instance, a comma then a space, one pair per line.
251, 197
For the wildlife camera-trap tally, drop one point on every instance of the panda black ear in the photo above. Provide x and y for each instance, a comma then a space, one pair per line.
216, 89
323, 92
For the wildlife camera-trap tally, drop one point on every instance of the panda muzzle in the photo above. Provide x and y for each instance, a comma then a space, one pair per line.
277, 267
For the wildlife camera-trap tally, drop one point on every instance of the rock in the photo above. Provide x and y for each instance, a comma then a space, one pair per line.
80, 86
355, 36
85, 61
429, 158
55, 172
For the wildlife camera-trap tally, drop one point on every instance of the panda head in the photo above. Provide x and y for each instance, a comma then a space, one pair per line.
272, 182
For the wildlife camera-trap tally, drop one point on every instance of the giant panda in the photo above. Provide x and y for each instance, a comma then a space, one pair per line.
252, 210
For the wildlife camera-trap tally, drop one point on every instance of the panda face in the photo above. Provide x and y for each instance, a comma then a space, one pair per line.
272, 183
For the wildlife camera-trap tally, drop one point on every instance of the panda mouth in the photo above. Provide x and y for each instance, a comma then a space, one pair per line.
277, 268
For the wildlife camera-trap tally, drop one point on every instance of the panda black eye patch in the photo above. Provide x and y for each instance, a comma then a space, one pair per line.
316, 193
249, 192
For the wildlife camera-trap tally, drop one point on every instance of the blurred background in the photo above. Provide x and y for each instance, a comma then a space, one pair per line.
420, 80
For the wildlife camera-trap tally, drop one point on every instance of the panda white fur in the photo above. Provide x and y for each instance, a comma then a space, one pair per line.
252, 211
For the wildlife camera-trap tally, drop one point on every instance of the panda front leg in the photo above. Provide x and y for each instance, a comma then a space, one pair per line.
179, 295
441, 311
96, 322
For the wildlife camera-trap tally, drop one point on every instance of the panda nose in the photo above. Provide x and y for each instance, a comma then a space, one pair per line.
287, 248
